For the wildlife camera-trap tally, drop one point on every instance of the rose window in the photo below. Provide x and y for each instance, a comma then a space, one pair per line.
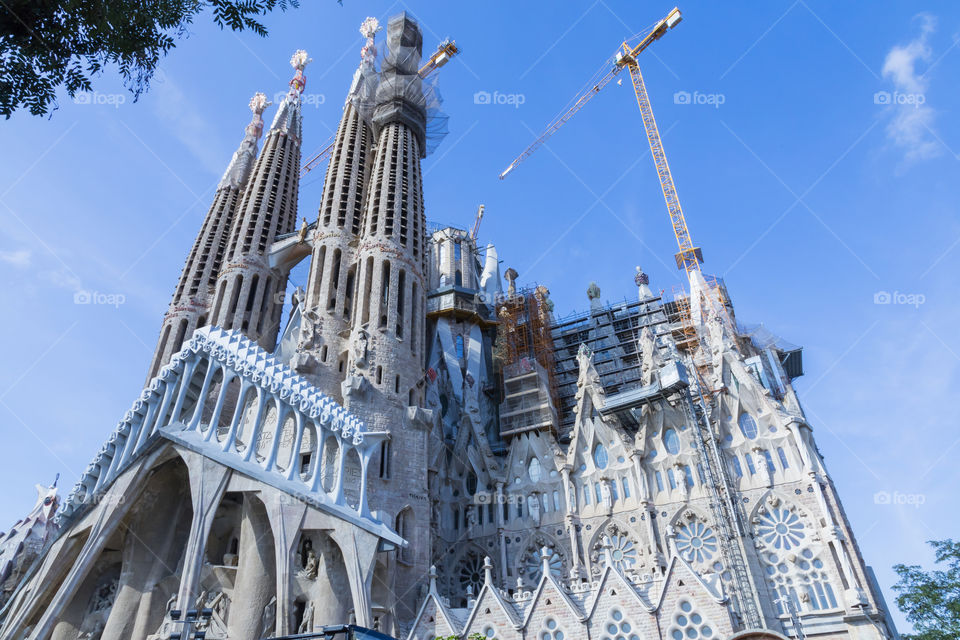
532, 565
624, 552
696, 542
471, 572
780, 529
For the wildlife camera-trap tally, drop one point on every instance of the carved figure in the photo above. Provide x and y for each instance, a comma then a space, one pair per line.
309, 570
306, 624
268, 621
360, 340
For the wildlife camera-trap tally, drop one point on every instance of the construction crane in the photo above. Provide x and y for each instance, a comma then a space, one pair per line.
688, 257
476, 225
444, 53
723, 503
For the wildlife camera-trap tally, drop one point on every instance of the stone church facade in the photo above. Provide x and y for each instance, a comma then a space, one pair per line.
415, 449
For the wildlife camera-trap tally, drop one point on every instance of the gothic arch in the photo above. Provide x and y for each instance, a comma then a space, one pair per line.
696, 539
798, 565
529, 563
626, 547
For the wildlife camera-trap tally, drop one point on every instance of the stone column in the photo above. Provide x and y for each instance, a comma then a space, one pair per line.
286, 519
255, 584
208, 481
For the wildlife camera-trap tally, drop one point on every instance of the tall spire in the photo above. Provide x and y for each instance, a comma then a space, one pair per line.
363, 89
243, 158
190, 307
289, 119
249, 295
384, 367
329, 308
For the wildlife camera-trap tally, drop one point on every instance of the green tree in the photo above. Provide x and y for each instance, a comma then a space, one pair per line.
931, 599
46, 44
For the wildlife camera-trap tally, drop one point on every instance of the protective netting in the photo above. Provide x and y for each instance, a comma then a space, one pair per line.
363, 89
437, 120
400, 81
763, 338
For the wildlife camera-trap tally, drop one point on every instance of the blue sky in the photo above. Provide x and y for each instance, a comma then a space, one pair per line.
816, 162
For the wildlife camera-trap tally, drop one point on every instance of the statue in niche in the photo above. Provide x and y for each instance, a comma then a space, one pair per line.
360, 343
572, 497
306, 624
605, 493
268, 621
534, 506
471, 517
309, 570
308, 329
305, 547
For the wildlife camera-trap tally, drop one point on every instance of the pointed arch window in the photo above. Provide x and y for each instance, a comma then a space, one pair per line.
600, 457
534, 470
671, 441
783, 458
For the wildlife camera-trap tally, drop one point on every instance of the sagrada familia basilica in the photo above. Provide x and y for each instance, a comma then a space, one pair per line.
425, 449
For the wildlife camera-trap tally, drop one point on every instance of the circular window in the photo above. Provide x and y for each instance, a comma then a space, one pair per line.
600, 456
671, 441
533, 470
748, 426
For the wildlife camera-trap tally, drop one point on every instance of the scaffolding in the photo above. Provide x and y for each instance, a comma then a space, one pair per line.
525, 353
680, 316
612, 333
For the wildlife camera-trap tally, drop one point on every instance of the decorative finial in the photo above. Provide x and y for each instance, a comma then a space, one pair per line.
257, 105
608, 551
545, 560
299, 61
487, 571
641, 278
593, 291
259, 102
433, 578
370, 27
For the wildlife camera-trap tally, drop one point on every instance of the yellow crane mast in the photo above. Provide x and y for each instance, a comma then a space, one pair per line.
688, 257
445, 51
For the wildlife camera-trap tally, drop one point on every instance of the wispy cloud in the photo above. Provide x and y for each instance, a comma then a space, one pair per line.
19, 258
189, 125
911, 128
61, 278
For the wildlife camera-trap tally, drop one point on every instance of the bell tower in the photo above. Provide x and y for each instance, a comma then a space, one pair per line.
250, 292
190, 307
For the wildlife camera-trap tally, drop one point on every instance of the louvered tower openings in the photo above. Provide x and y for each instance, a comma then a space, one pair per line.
193, 297
250, 293
386, 353
331, 286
